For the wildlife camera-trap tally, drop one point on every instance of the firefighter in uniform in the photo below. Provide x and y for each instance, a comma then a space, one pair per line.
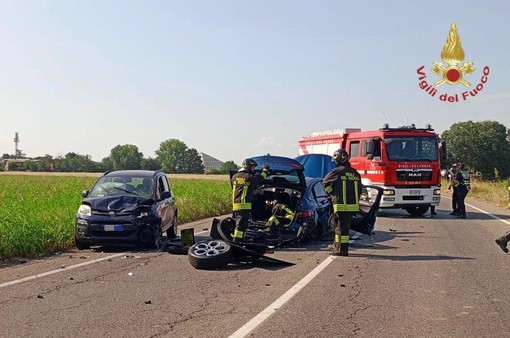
343, 184
281, 215
452, 172
461, 182
244, 183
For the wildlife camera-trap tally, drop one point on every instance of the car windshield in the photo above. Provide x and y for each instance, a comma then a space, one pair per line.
122, 185
283, 177
411, 148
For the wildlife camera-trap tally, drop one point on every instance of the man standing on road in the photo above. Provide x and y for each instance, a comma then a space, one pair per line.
343, 184
244, 183
462, 186
452, 172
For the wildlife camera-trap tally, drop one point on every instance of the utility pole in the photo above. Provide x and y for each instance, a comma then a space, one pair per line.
16, 141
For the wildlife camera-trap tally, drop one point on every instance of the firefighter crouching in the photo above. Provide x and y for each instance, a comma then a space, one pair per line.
281, 215
343, 184
244, 183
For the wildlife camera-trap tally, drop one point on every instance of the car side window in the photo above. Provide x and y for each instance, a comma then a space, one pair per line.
319, 192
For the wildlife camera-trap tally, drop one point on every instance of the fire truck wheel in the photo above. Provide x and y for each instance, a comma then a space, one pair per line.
417, 211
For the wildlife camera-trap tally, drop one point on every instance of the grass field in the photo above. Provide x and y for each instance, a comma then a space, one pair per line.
37, 211
495, 193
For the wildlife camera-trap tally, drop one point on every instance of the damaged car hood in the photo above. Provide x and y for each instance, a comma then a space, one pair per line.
121, 203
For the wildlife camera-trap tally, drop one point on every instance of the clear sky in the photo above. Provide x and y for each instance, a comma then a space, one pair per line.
235, 78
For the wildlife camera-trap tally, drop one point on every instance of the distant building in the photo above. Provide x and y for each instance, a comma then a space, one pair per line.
14, 164
210, 163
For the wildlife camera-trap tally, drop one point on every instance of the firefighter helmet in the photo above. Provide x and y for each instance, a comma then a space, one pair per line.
341, 156
249, 163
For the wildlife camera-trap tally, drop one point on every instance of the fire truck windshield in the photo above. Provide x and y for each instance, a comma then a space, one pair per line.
411, 148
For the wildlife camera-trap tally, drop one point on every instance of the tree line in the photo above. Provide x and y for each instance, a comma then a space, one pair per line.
484, 148
173, 157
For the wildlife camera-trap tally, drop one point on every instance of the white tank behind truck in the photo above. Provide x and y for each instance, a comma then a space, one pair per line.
404, 161
324, 141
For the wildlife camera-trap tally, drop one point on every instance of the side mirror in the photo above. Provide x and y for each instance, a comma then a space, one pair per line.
165, 195
84, 193
442, 150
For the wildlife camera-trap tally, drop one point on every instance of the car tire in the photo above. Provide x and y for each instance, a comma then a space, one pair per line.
417, 211
209, 255
80, 245
172, 231
150, 238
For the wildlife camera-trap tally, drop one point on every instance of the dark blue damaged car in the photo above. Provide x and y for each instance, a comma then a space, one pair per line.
127, 207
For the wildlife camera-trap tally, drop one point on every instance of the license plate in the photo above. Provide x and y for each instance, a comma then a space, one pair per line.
113, 227
414, 192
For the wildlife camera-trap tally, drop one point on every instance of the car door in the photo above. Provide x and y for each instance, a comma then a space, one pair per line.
323, 203
164, 201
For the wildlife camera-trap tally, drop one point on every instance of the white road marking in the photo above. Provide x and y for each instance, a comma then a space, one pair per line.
484, 212
44, 274
277, 304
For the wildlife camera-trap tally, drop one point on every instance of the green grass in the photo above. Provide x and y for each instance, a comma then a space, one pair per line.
495, 193
37, 212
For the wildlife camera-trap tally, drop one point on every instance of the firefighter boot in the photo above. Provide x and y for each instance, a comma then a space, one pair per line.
344, 249
344, 245
502, 241
336, 246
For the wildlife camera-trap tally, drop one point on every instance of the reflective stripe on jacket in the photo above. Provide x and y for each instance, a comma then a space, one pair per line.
343, 184
244, 184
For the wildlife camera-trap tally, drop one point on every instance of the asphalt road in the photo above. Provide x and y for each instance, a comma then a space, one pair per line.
416, 277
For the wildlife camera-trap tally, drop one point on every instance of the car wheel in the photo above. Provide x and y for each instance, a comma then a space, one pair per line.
150, 238
172, 231
80, 245
210, 255
417, 211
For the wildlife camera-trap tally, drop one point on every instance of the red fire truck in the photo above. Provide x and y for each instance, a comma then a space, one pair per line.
404, 161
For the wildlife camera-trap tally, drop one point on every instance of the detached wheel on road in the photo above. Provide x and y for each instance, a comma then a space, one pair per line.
80, 245
417, 211
210, 255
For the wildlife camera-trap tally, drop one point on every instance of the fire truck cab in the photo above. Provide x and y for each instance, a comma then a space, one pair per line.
404, 161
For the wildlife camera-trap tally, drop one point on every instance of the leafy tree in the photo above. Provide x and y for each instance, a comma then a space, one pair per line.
150, 164
482, 146
73, 162
43, 163
228, 166
175, 157
106, 164
126, 157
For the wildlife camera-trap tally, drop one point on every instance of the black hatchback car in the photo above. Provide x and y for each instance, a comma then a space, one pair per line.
127, 207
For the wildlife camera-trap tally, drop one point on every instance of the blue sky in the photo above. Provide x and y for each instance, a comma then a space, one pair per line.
235, 78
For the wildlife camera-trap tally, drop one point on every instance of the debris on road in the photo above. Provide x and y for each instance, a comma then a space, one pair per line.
40, 296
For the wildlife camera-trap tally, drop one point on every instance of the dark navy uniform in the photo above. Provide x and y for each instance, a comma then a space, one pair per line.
343, 184
244, 183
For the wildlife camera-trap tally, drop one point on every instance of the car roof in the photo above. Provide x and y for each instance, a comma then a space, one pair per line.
128, 173
278, 162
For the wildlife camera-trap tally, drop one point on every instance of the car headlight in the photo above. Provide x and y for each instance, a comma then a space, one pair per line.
388, 192
437, 191
85, 210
